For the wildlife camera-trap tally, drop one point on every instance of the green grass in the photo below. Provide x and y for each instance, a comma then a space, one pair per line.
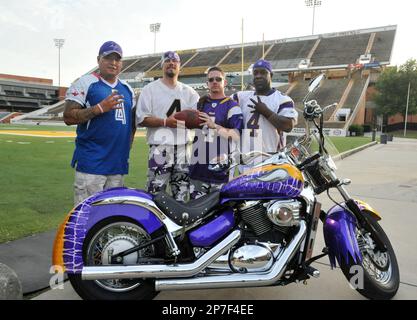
36, 179
36, 182
35, 128
411, 134
344, 144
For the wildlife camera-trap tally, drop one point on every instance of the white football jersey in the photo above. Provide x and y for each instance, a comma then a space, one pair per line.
259, 134
158, 100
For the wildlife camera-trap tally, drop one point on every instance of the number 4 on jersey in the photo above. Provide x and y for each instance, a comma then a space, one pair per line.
176, 106
253, 124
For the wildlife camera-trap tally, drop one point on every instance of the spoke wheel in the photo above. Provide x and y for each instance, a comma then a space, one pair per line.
111, 240
381, 277
104, 240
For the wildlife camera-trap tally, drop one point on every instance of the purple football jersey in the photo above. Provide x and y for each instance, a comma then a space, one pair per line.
208, 144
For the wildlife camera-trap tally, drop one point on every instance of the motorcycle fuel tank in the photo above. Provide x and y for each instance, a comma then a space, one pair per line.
269, 181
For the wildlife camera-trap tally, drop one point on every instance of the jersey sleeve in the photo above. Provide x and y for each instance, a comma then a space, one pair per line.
235, 118
144, 106
194, 97
78, 92
287, 108
235, 97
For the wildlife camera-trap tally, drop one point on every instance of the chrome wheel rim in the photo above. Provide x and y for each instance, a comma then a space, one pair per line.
376, 263
112, 239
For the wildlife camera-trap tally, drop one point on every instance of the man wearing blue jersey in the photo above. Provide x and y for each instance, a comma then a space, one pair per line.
100, 105
223, 118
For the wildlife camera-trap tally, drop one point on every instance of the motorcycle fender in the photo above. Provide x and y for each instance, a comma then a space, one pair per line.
340, 238
339, 233
368, 209
68, 245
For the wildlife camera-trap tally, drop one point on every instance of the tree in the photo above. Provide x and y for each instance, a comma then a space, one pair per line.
392, 89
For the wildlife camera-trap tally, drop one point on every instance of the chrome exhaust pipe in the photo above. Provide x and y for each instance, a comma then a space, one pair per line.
237, 280
161, 271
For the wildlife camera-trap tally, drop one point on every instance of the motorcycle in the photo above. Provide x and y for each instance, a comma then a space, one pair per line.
258, 230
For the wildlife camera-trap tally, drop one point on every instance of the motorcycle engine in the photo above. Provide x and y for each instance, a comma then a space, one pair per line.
278, 216
267, 224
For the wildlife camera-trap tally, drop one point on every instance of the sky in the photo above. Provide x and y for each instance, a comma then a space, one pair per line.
28, 27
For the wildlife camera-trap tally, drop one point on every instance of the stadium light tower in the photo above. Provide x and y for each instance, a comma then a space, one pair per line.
155, 27
313, 4
59, 43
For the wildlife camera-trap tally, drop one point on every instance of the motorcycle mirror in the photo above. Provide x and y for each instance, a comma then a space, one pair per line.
316, 82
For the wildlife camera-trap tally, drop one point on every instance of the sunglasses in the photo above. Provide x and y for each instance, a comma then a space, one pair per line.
218, 79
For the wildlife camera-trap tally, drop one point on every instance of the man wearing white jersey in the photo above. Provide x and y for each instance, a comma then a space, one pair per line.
168, 139
267, 113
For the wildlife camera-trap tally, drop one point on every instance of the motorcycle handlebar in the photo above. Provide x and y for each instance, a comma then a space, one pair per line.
309, 160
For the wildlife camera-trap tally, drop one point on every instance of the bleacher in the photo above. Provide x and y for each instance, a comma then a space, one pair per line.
25, 94
382, 46
330, 92
340, 50
127, 62
207, 58
251, 53
143, 64
288, 55
185, 57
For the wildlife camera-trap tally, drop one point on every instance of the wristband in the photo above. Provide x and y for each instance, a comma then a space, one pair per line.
99, 106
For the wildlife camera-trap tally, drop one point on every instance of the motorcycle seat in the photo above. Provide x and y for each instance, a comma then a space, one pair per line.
195, 209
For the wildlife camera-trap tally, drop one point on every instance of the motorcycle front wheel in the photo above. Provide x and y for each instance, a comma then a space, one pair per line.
378, 276
105, 239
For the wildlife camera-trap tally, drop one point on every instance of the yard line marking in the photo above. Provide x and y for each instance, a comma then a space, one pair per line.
53, 134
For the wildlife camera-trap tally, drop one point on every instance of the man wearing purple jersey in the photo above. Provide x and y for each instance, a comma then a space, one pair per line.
223, 120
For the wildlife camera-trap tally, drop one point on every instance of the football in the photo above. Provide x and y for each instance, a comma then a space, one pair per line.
190, 117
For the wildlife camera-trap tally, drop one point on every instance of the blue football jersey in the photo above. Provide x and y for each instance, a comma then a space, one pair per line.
102, 145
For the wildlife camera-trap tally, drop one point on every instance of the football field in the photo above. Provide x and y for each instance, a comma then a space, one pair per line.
36, 178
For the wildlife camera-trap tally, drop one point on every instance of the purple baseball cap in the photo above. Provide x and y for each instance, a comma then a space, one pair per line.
110, 47
170, 55
263, 64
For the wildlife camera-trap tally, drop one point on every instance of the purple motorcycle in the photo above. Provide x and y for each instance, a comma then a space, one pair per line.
258, 230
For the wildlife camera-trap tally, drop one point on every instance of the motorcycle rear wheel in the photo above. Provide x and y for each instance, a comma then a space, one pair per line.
122, 232
380, 278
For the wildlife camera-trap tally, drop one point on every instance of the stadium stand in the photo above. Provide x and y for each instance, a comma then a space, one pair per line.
25, 94
207, 58
355, 93
143, 64
127, 63
331, 92
348, 58
382, 46
251, 53
340, 50
288, 55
